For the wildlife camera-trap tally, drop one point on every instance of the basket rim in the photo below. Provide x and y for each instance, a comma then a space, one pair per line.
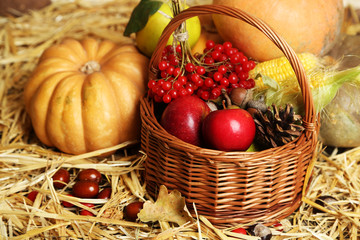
310, 119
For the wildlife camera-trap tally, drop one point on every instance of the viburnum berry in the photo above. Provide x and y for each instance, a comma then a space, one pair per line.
163, 65
199, 82
164, 52
243, 75
200, 70
222, 69
166, 98
208, 82
230, 66
215, 92
222, 58
233, 78
155, 88
151, 83
182, 80
235, 58
242, 59
176, 72
170, 70
205, 95
224, 82
183, 92
230, 51
209, 44
227, 45
238, 68
215, 55
160, 82
163, 74
170, 48
191, 85
252, 64
209, 60
160, 92
194, 77
234, 85
245, 84
178, 48
173, 93
166, 86
199, 92
189, 90
177, 85
189, 67
251, 83
218, 76
219, 47
174, 61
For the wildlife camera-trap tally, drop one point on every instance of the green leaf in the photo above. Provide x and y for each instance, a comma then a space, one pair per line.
140, 15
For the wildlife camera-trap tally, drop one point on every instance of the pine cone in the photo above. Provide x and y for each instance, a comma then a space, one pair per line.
277, 127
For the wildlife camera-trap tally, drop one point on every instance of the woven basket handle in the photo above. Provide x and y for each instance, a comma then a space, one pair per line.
309, 118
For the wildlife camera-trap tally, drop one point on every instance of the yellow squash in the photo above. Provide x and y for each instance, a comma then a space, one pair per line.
84, 95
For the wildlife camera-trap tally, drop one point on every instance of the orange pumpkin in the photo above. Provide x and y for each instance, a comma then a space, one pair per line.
307, 25
84, 95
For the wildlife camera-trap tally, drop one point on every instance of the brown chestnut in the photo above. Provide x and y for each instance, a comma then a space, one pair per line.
131, 211
85, 189
241, 96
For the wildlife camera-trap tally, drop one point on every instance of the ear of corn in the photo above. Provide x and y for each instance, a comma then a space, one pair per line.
280, 70
276, 80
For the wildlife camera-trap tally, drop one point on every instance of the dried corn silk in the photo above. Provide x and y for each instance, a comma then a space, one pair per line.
26, 165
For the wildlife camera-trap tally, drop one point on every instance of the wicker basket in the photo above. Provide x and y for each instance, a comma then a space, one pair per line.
230, 187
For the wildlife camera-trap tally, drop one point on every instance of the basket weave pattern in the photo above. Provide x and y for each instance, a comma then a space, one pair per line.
229, 187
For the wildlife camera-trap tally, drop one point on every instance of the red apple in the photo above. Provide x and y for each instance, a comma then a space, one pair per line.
229, 130
183, 118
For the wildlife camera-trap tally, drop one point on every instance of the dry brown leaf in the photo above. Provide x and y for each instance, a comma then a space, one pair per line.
169, 207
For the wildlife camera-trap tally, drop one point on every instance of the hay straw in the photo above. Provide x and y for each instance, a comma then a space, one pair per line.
27, 165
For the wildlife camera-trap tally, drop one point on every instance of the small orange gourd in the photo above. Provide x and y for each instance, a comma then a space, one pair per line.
84, 95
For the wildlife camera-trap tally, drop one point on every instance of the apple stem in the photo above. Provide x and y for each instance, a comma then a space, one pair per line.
223, 104
227, 98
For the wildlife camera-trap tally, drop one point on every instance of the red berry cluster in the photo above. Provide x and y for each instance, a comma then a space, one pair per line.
221, 66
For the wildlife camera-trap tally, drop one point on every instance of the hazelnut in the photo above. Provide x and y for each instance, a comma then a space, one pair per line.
241, 96
261, 231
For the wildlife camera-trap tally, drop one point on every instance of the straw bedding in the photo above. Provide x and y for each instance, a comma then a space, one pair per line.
27, 165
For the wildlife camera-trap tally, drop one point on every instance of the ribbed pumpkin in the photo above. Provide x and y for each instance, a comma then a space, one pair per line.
84, 95
307, 25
